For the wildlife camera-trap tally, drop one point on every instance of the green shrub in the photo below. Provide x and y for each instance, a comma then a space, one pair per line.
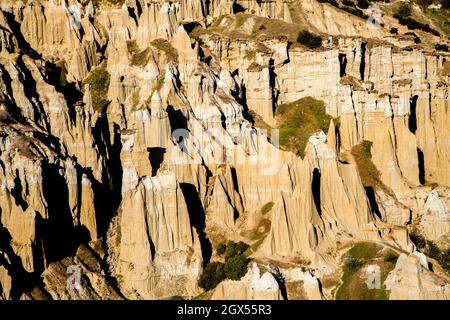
364, 251
309, 40
418, 240
221, 247
353, 286
445, 260
98, 81
234, 249
267, 207
391, 257
236, 267
403, 15
352, 264
298, 120
433, 251
211, 276
166, 47
132, 46
404, 10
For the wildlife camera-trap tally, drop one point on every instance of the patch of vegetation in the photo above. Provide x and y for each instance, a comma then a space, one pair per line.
132, 46
212, 275
391, 257
159, 84
118, 235
167, 48
299, 120
260, 231
255, 67
141, 58
309, 40
364, 251
267, 207
135, 99
432, 250
220, 249
234, 268
98, 3
370, 176
394, 31
240, 20
418, 240
403, 15
119, 280
403, 11
234, 249
98, 81
354, 286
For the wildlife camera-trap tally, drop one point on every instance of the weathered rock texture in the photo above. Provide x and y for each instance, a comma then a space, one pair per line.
134, 184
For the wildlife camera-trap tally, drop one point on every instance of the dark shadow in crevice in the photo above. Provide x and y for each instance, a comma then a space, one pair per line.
23, 44
7, 81
241, 97
49, 140
370, 193
176, 119
133, 15
362, 67
272, 84
281, 285
190, 26
197, 218
421, 161
315, 187
156, 158
58, 230
108, 192
237, 8
16, 192
56, 76
31, 94
412, 119
342, 64
235, 180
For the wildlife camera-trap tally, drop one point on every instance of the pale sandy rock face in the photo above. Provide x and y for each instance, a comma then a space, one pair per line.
253, 286
133, 142
411, 280
157, 242
435, 221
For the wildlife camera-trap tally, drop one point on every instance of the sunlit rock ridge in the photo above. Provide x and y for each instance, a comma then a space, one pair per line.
140, 139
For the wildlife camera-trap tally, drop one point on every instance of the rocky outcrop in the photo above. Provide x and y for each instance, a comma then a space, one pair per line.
412, 280
253, 286
155, 232
134, 138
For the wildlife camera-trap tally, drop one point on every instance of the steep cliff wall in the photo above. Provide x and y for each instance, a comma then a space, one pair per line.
139, 136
